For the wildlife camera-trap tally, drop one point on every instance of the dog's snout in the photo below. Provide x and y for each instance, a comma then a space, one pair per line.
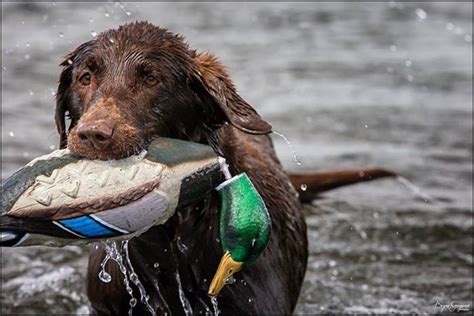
97, 135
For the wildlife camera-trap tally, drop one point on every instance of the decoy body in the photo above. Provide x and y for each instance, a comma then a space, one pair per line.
61, 199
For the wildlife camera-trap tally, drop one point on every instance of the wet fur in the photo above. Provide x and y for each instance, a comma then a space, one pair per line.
194, 100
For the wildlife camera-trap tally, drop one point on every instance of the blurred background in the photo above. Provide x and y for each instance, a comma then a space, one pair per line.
349, 84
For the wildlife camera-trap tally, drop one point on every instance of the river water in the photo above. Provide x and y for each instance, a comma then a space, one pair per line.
349, 84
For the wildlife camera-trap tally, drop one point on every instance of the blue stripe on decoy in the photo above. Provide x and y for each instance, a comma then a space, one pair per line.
87, 227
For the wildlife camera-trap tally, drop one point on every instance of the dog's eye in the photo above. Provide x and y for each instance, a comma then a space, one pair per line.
85, 79
151, 81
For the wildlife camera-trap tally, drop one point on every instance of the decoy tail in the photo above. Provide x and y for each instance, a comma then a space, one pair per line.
310, 185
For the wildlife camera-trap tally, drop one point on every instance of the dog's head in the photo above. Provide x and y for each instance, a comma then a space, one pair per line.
130, 85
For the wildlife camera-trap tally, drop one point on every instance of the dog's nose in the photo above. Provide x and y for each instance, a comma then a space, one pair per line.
96, 134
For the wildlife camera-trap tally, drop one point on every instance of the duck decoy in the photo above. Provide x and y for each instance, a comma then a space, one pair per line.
60, 199
244, 228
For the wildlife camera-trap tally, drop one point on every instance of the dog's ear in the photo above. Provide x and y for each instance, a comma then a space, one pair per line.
211, 79
64, 93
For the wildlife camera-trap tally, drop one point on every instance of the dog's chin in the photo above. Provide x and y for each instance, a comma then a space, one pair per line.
112, 152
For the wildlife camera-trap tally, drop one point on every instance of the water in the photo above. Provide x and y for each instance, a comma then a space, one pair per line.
113, 253
333, 78
215, 306
295, 156
144, 298
182, 297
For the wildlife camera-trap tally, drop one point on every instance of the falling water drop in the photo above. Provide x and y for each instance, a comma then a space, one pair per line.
215, 306
230, 280
420, 14
27, 44
303, 187
144, 298
94, 33
295, 157
91, 20
104, 276
61, 34
128, 13
415, 189
182, 297
11, 134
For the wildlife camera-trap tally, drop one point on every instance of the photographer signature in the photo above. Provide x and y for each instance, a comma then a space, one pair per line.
451, 307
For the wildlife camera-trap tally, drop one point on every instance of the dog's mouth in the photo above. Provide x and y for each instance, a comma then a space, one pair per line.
124, 143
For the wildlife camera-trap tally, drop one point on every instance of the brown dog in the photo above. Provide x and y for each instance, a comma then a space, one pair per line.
130, 85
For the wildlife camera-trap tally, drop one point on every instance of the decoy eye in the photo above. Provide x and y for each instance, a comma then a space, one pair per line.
85, 79
151, 81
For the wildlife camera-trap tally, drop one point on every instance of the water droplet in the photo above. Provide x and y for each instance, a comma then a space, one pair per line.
397, 233
31, 92
332, 263
105, 276
27, 44
25, 154
93, 33
156, 265
107, 14
52, 91
410, 78
251, 300
69, 61
215, 305
366, 126
393, 48
365, 287
111, 40
230, 280
181, 246
4, 68
23, 22
303, 187
295, 157
11, 134
52, 147
91, 20
128, 13
468, 38
27, 56
408, 63
352, 228
450, 26
420, 14
61, 34
375, 215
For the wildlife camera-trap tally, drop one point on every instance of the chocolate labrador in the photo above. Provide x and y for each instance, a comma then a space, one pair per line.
130, 85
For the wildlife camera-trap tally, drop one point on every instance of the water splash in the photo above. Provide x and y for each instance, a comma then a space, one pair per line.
295, 156
144, 298
112, 251
215, 305
415, 189
184, 301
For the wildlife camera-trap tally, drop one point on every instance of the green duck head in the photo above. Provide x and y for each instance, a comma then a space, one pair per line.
244, 227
